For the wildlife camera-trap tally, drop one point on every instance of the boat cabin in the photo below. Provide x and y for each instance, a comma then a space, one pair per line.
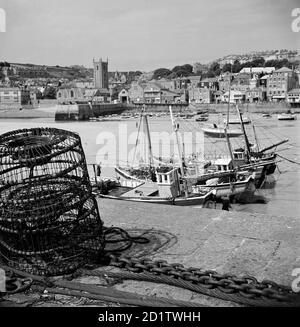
239, 157
223, 164
168, 182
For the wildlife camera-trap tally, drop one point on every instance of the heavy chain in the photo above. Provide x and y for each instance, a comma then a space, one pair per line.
246, 290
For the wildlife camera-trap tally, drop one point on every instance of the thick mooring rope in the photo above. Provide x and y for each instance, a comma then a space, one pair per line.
292, 161
96, 292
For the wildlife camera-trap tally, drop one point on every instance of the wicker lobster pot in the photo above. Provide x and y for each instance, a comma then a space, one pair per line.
49, 219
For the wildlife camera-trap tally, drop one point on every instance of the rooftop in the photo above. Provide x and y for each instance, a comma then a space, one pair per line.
283, 70
258, 70
209, 79
294, 91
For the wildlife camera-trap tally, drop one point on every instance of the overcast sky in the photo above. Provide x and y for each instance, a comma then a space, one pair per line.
143, 34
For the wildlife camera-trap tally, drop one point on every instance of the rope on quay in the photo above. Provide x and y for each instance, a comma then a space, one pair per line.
100, 293
148, 277
292, 161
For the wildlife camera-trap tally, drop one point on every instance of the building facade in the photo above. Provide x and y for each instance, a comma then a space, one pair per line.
200, 95
280, 83
234, 96
255, 95
123, 96
152, 93
257, 70
293, 97
156, 93
10, 98
193, 81
209, 83
136, 92
72, 94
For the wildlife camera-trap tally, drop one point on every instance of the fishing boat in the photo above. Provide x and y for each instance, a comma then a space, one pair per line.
190, 172
232, 121
267, 115
188, 116
252, 158
143, 173
170, 188
286, 116
201, 117
219, 132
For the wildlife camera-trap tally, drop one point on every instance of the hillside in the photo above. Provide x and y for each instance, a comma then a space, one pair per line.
43, 71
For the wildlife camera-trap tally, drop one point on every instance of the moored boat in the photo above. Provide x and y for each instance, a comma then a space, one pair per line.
237, 121
219, 132
201, 117
169, 189
286, 116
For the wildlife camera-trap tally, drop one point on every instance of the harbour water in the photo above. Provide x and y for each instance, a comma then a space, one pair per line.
98, 142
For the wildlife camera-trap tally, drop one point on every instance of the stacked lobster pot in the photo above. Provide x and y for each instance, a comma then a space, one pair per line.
49, 219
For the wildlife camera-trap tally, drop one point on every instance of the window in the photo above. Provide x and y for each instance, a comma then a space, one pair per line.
59, 94
72, 94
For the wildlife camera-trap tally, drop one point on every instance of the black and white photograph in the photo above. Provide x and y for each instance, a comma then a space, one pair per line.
149, 158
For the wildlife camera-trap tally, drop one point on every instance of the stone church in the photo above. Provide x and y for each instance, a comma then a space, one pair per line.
70, 93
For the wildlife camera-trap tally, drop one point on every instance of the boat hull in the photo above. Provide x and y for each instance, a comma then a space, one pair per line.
220, 133
189, 201
237, 121
286, 117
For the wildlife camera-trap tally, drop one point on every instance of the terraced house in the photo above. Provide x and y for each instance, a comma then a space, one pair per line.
155, 93
10, 98
293, 97
280, 83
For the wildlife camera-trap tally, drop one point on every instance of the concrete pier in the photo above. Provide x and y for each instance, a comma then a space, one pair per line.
262, 246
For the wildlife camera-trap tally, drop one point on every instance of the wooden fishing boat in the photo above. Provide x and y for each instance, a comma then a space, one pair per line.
190, 171
237, 121
286, 116
201, 117
219, 132
170, 188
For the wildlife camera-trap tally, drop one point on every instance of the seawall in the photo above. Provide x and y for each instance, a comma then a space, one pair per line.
267, 107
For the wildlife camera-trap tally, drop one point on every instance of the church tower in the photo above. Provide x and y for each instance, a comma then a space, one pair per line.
100, 74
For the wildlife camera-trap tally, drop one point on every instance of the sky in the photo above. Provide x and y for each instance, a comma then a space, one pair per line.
143, 34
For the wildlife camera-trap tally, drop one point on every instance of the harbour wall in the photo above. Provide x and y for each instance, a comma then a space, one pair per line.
271, 108
83, 111
267, 107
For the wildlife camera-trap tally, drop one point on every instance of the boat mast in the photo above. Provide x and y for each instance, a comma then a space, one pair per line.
229, 145
137, 137
146, 124
244, 132
178, 150
227, 122
255, 136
